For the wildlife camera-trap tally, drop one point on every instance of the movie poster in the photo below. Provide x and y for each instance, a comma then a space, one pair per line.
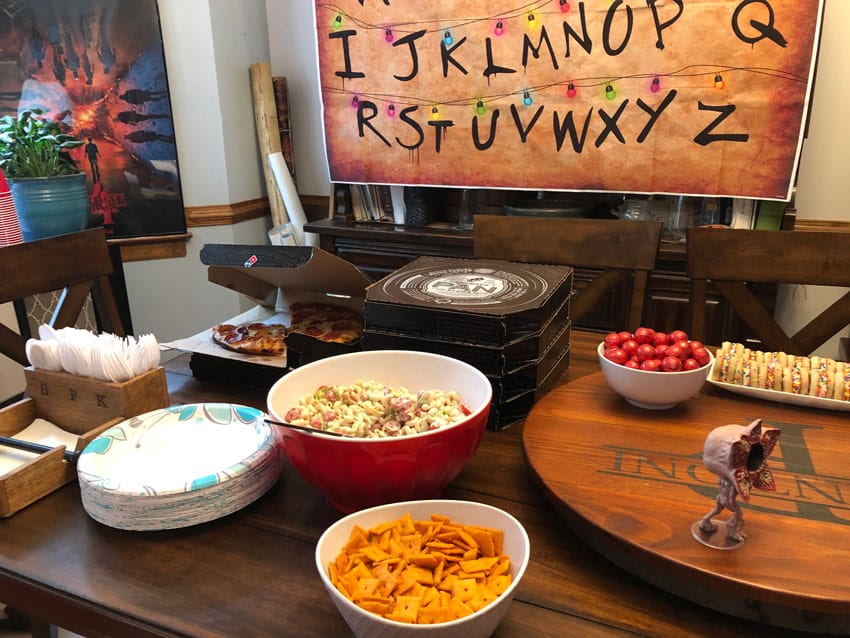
97, 67
700, 97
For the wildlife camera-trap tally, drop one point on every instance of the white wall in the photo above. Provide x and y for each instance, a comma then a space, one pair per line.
11, 374
823, 190
292, 44
209, 47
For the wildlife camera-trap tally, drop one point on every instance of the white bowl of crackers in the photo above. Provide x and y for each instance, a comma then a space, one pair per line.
440, 568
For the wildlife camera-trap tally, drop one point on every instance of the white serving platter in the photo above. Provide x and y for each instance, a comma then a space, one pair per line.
784, 397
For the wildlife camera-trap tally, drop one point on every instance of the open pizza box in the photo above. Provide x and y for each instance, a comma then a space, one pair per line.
275, 277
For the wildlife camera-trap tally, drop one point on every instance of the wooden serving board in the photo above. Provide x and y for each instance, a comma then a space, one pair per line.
631, 482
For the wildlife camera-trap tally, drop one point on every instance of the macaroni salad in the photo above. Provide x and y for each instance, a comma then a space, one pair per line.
369, 409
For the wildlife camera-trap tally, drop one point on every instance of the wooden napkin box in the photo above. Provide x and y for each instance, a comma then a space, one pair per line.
68, 399
80, 405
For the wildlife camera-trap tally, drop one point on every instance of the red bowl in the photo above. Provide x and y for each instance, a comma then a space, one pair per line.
356, 473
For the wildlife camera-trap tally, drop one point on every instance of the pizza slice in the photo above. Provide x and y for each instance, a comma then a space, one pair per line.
251, 338
326, 322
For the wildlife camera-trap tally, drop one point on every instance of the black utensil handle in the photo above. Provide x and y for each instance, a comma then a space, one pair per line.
303, 428
38, 448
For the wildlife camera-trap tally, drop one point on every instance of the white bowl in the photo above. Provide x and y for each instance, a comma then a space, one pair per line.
653, 390
482, 623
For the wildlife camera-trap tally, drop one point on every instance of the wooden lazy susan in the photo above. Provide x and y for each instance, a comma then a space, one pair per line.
631, 482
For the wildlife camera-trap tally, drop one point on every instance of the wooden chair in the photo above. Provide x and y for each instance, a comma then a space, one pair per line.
78, 264
619, 249
731, 258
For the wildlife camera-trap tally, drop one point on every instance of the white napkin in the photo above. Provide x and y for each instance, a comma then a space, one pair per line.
39, 431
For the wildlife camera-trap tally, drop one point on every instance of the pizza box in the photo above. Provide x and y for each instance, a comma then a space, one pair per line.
532, 375
491, 360
514, 407
481, 301
274, 277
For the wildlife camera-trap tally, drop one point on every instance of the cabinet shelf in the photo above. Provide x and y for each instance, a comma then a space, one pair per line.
379, 248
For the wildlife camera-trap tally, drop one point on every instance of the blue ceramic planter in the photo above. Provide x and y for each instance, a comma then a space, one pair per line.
50, 206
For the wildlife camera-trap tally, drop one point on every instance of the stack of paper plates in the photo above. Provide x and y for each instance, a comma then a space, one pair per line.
178, 466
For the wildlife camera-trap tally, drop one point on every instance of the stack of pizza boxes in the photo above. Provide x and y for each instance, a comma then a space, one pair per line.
509, 320
279, 279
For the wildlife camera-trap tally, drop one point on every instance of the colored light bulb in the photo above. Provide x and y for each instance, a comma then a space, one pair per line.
532, 20
610, 93
355, 102
480, 108
718, 82
337, 22
391, 110
447, 37
565, 6
500, 28
435, 113
388, 35
571, 90
655, 86
526, 98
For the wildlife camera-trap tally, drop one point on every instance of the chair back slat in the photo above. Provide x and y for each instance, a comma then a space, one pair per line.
787, 257
77, 264
617, 249
730, 259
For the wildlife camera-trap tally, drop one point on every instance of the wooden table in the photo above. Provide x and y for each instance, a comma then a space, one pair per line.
252, 573
632, 484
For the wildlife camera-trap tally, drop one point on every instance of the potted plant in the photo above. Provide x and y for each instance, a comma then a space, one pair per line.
48, 188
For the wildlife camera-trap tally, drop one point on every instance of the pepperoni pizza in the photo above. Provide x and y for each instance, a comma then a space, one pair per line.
326, 322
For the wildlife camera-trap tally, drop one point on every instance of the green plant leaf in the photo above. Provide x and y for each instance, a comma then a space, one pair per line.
33, 146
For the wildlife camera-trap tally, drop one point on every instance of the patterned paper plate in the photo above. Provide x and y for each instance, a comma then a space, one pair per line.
178, 466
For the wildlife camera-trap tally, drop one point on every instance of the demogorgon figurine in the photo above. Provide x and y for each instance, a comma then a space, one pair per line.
738, 455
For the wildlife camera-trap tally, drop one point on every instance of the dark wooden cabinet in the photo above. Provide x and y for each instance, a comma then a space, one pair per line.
379, 248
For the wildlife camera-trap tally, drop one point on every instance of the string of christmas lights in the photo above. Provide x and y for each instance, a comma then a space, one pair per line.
529, 12
341, 17
718, 75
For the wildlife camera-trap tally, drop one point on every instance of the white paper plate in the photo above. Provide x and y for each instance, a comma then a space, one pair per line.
784, 397
178, 466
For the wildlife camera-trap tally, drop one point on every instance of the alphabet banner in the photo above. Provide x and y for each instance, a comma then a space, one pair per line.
700, 97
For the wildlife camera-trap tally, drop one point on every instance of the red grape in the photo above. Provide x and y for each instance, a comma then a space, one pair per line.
644, 335
690, 364
678, 335
645, 351
630, 346
653, 350
651, 365
676, 351
671, 364
617, 355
